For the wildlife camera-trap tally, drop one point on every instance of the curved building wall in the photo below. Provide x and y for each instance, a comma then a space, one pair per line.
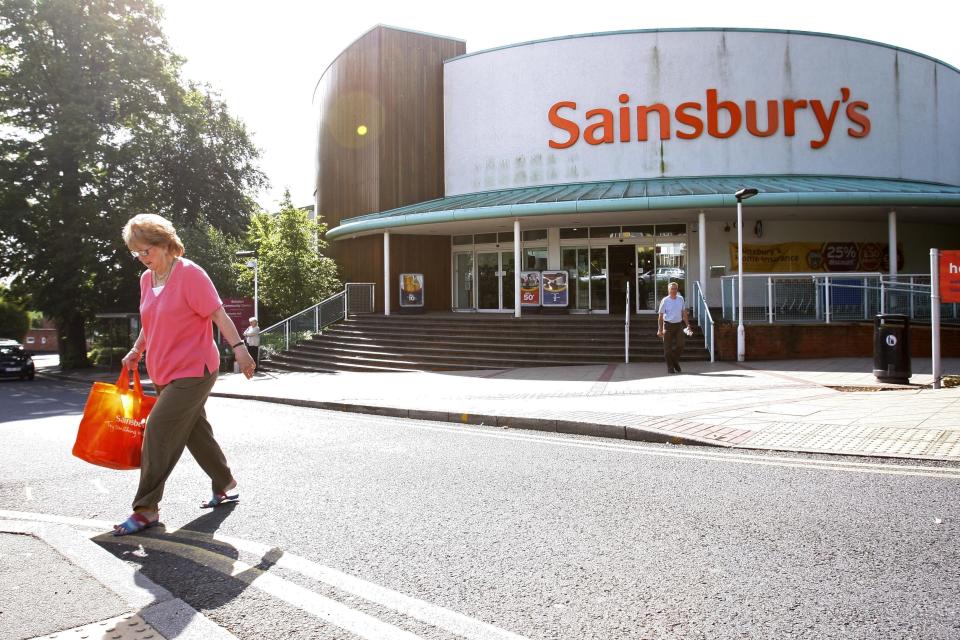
380, 146
697, 103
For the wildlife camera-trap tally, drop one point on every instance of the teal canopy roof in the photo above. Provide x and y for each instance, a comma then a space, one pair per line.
657, 193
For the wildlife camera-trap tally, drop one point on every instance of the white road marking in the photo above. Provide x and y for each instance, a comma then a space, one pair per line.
330, 611
291, 593
28, 492
418, 609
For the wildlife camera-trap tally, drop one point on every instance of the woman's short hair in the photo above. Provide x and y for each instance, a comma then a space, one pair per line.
154, 230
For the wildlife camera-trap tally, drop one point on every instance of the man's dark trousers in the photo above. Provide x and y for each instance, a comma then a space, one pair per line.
672, 345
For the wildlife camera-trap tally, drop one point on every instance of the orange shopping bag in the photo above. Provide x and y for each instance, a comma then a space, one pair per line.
111, 432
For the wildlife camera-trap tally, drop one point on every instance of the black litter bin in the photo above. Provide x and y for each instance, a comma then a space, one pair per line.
891, 348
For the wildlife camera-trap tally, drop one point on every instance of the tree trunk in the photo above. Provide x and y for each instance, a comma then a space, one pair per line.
72, 336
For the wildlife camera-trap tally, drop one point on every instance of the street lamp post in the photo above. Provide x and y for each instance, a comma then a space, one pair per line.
252, 264
741, 195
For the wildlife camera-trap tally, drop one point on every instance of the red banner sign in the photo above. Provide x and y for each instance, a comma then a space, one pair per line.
240, 310
950, 276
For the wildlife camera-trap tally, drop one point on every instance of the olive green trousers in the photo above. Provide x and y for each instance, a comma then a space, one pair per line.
179, 420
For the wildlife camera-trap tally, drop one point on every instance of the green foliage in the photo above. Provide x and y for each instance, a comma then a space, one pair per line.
96, 126
14, 321
214, 250
105, 356
294, 273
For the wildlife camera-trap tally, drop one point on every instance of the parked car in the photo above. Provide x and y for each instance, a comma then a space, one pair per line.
15, 362
663, 275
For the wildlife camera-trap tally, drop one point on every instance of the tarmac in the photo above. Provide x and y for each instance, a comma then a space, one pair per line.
826, 406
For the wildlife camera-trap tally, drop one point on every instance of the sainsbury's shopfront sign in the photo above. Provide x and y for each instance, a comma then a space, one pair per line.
712, 116
697, 103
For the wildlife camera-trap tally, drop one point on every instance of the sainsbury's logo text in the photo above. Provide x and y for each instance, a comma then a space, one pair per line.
633, 123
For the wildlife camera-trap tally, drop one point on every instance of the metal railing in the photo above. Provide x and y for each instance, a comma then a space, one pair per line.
626, 329
701, 311
356, 297
824, 298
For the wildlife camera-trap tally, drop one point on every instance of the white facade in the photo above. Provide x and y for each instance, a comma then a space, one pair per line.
889, 113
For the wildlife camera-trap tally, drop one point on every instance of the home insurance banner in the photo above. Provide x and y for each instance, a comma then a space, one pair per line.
800, 257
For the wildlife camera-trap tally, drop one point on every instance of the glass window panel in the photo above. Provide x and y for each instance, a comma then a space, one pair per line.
463, 276
485, 238
575, 232
638, 230
671, 266
598, 278
646, 281
536, 234
507, 285
505, 237
535, 259
488, 283
604, 232
459, 240
574, 262
671, 229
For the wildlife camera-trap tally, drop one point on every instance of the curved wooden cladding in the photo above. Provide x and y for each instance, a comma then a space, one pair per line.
362, 258
391, 82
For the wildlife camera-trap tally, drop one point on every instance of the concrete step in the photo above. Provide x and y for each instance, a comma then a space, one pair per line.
475, 341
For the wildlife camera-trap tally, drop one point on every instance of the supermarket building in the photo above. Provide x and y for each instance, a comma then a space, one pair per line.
614, 157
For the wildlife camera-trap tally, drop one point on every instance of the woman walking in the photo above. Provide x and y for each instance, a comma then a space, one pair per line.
178, 305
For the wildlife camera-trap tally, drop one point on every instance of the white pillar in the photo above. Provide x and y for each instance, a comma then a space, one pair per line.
892, 243
386, 273
702, 226
516, 268
741, 333
935, 316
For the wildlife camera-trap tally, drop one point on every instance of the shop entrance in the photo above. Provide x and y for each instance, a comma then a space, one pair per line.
621, 270
495, 284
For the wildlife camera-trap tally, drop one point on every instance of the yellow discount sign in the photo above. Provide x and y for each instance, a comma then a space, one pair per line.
799, 257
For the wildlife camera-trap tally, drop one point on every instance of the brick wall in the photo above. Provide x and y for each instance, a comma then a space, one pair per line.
836, 340
43, 341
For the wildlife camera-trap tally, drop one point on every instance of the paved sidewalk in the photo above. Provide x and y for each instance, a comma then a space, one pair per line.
89, 593
828, 406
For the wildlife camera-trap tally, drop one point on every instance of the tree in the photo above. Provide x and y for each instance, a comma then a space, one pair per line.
14, 321
95, 126
294, 273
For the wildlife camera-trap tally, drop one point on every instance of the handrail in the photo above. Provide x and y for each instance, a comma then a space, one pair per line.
704, 319
316, 318
626, 330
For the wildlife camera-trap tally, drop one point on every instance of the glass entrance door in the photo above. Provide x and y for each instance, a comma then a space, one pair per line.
658, 265
463, 281
495, 280
587, 269
598, 278
488, 281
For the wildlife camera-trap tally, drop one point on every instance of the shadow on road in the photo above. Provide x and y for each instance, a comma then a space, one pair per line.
190, 563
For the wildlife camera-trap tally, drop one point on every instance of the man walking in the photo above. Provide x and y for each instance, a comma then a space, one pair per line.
671, 318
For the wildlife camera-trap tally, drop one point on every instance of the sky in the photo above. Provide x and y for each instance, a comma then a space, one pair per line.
264, 57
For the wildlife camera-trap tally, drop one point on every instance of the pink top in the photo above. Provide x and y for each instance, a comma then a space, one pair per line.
177, 324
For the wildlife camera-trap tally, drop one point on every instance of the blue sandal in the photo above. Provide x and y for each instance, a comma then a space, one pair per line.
134, 524
220, 498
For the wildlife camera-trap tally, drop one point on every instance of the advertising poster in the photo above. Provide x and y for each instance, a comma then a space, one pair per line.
411, 289
800, 257
530, 288
240, 310
949, 276
555, 289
